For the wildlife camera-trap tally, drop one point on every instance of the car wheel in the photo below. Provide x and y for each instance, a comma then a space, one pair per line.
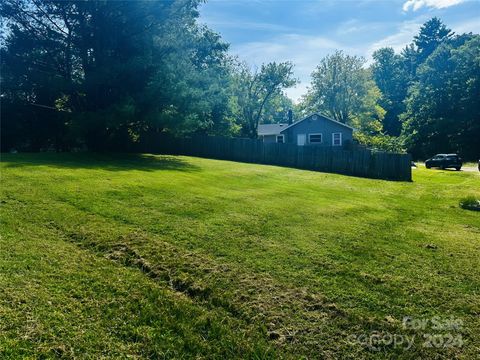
428, 166
458, 168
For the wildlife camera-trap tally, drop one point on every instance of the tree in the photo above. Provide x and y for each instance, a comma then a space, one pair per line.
338, 86
443, 112
114, 69
345, 90
392, 79
276, 109
36, 71
255, 89
410, 59
414, 89
369, 123
191, 83
431, 35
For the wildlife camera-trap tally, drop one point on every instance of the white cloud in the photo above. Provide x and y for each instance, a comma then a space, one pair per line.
404, 35
471, 25
356, 26
350, 26
436, 4
408, 29
242, 25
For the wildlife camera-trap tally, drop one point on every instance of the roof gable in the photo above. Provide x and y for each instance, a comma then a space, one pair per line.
319, 116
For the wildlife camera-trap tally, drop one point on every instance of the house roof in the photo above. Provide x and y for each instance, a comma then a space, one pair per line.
270, 129
319, 115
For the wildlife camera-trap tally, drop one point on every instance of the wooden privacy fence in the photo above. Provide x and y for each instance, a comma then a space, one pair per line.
356, 161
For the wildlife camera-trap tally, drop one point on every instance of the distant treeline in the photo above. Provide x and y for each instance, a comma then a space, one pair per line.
100, 75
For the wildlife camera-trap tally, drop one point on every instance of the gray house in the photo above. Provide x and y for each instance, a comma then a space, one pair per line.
315, 129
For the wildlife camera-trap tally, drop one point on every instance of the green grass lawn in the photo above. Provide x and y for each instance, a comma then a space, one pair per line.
180, 257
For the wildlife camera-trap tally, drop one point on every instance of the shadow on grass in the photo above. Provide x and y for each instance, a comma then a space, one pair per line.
100, 161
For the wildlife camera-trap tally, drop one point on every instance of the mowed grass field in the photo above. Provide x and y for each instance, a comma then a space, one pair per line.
143, 256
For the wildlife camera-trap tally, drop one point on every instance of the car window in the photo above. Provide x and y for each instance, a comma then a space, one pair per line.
452, 158
438, 157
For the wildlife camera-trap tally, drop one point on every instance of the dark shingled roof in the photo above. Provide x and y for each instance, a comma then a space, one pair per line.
270, 129
318, 116
275, 129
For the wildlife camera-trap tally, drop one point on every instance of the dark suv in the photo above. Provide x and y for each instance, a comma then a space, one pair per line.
444, 161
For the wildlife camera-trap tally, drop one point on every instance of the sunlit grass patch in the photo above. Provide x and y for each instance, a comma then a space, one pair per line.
151, 256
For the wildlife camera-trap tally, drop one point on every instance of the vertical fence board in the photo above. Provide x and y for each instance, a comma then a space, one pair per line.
357, 162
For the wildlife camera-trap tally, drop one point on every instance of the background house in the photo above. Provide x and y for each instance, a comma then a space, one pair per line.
271, 133
315, 129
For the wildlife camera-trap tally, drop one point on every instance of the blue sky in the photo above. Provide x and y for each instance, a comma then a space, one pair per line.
304, 31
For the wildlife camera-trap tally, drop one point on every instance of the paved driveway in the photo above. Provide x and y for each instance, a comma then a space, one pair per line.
470, 168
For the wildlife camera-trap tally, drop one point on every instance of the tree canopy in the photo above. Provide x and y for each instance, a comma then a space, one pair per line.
254, 91
102, 74
423, 100
338, 86
442, 108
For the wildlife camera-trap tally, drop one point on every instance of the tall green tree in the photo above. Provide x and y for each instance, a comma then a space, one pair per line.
433, 33
392, 79
255, 90
339, 84
110, 70
191, 83
369, 120
347, 91
443, 111
276, 110
37, 70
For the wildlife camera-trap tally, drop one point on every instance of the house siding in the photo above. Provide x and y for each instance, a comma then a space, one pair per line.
316, 124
